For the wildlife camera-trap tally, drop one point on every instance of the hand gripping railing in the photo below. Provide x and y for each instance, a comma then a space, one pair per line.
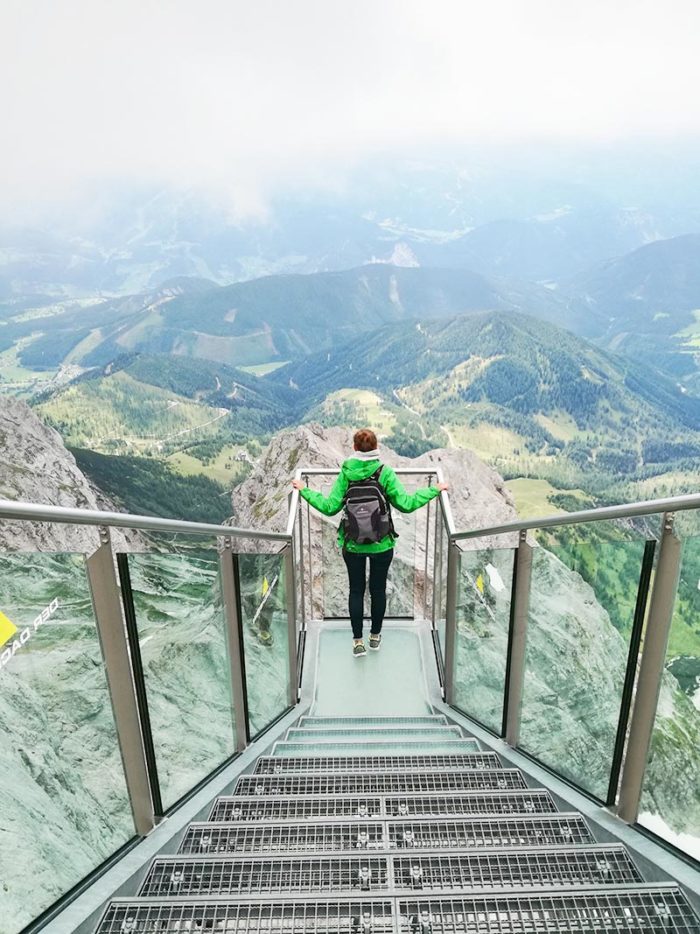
641, 689
121, 654
306, 568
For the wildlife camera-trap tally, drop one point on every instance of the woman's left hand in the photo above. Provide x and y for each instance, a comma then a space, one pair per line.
298, 484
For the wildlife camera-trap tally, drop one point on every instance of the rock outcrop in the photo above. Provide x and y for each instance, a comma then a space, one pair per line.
36, 467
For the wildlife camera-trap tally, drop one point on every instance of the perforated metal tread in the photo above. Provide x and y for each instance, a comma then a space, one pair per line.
378, 749
272, 765
359, 734
364, 722
489, 832
210, 838
233, 809
638, 909
528, 869
531, 801
189, 876
379, 783
634, 909
335, 916
195, 876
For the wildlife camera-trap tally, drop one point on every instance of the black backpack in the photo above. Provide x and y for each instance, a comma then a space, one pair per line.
367, 515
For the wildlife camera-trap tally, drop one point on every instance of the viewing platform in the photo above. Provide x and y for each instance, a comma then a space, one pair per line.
193, 746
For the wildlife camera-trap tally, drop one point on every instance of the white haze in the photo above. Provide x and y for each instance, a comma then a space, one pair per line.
248, 96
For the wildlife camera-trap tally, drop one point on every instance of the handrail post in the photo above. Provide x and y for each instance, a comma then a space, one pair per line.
234, 642
451, 620
290, 594
651, 669
437, 567
517, 639
111, 630
300, 564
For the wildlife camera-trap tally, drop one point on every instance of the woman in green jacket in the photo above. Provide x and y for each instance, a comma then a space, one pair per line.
361, 466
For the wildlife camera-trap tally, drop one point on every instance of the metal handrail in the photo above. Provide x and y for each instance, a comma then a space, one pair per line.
418, 471
34, 512
628, 511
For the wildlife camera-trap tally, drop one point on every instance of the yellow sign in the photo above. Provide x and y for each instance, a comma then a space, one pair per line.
7, 629
265, 586
480, 583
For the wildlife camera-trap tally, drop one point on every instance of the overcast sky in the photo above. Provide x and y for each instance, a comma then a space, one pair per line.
246, 95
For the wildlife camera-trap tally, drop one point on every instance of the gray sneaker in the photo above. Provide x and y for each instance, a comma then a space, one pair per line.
375, 641
358, 650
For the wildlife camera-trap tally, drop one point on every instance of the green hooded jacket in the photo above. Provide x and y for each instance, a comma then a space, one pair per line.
356, 469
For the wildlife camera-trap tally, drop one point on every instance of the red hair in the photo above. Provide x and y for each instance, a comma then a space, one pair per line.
365, 440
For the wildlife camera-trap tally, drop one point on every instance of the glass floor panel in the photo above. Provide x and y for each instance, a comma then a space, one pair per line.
390, 682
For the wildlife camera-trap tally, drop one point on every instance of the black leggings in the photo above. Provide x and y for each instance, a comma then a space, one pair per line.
357, 575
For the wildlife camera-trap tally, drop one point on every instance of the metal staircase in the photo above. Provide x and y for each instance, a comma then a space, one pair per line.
370, 825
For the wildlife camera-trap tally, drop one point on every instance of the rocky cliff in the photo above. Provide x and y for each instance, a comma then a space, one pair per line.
36, 467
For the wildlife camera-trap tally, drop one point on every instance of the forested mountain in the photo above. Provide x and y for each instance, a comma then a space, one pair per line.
273, 318
647, 303
551, 391
551, 245
158, 403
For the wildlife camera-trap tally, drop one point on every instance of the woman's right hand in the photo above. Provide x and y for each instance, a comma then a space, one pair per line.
298, 484
443, 487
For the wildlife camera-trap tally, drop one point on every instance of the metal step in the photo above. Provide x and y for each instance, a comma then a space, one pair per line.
272, 765
171, 876
372, 734
377, 783
634, 909
238, 809
560, 868
234, 809
531, 801
375, 748
642, 909
212, 837
341, 916
561, 829
193, 875
368, 722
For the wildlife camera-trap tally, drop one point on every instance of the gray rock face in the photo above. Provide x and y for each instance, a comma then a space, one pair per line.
478, 497
35, 467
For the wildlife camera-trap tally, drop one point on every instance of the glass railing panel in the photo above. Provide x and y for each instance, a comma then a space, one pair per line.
265, 637
481, 645
182, 637
576, 657
440, 581
64, 806
670, 804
